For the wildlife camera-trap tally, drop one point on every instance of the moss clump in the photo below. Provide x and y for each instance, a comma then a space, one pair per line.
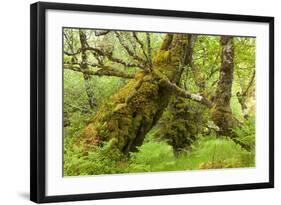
182, 122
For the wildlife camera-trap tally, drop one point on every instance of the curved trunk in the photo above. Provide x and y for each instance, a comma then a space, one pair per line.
125, 119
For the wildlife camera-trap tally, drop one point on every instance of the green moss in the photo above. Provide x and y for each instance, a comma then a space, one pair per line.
224, 119
182, 122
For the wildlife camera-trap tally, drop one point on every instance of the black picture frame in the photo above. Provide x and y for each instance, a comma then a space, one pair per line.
38, 101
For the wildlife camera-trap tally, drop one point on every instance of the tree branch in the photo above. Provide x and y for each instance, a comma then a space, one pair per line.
114, 59
141, 44
185, 94
213, 71
103, 71
148, 51
72, 54
250, 83
102, 53
101, 32
72, 67
128, 50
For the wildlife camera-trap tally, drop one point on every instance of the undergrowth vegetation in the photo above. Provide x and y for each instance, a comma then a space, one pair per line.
207, 152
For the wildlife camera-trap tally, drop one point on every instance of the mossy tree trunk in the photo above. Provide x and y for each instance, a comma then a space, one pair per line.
221, 111
181, 123
184, 118
84, 69
125, 119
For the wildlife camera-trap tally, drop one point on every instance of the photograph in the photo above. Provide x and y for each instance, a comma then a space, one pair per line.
134, 102
139, 101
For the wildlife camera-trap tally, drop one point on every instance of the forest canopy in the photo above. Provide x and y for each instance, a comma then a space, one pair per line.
145, 101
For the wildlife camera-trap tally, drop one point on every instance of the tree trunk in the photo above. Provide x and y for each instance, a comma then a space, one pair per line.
221, 111
129, 114
84, 68
177, 127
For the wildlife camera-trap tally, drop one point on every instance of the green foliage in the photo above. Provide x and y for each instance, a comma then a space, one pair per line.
220, 152
98, 160
152, 156
235, 106
246, 133
208, 152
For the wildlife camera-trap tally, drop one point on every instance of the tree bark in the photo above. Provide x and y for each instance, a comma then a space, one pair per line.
125, 119
84, 69
221, 111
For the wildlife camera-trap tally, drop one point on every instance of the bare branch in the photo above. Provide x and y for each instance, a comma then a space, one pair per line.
72, 54
108, 71
101, 32
128, 50
72, 67
148, 51
185, 94
114, 59
141, 44
250, 84
213, 71
97, 52
104, 71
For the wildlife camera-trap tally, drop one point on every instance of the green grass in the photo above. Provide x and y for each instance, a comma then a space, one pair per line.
207, 152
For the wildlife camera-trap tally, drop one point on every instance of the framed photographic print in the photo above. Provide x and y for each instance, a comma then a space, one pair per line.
129, 102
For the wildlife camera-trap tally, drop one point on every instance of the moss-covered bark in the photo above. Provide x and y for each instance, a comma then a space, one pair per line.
184, 118
84, 68
182, 122
125, 119
221, 111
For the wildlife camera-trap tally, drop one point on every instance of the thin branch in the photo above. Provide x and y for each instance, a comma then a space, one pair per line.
114, 59
214, 83
148, 51
67, 41
99, 58
72, 54
72, 67
128, 50
104, 71
250, 83
108, 55
214, 69
141, 44
212, 73
101, 32
108, 71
